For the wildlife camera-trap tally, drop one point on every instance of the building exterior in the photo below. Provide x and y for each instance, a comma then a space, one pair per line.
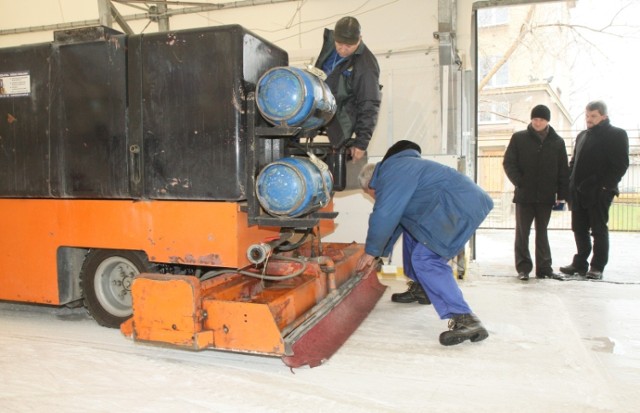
519, 67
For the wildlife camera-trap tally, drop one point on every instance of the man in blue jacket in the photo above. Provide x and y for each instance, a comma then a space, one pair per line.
436, 209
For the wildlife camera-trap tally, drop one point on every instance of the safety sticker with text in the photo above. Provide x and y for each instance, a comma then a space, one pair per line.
15, 84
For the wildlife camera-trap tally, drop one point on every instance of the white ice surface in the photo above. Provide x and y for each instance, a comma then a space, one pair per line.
553, 347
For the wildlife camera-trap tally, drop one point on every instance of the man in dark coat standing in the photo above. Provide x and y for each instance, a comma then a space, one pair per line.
536, 163
599, 161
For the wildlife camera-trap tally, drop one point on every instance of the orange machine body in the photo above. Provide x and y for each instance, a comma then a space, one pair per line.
302, 318
180, 232
236, 312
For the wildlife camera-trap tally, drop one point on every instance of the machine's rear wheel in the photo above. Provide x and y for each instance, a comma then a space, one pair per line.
106, 279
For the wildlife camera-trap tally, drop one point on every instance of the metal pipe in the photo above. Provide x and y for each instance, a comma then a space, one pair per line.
234, 5
104, 13
163, 17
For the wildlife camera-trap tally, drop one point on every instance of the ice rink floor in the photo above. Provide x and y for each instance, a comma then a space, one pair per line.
554, 346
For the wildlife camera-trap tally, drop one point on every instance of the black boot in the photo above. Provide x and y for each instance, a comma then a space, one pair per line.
571, 270
463, 327
414, 293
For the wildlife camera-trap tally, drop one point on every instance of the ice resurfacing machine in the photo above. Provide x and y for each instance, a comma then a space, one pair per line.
170, 182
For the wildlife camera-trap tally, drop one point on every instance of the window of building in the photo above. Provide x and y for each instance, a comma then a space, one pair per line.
492, 16
491, 112
500, 77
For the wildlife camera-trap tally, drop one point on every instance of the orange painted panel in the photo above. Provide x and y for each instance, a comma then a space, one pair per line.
166, 309
244, 326
191, 232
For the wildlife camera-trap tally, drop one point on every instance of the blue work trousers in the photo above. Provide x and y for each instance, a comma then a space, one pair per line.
435, 275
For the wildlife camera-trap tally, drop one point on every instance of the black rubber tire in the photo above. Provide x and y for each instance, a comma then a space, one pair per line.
106, 279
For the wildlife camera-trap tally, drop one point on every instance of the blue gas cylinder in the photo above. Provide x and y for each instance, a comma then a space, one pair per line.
288, 96
291, 187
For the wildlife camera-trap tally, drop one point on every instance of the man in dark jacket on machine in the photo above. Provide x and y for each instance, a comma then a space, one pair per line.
599, 161
537, 165
353, 77
436, 209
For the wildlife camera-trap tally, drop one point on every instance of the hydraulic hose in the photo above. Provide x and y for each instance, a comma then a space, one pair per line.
263, 276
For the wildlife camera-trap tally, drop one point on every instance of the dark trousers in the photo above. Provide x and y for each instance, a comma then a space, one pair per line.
526, 214
595, 218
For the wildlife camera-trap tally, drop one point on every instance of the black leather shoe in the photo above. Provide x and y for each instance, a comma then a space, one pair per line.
570, 270
594, 274
463, 327
413, 294
551, 275
523, 276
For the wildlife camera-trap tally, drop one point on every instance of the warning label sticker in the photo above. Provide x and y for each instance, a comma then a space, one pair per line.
15, 84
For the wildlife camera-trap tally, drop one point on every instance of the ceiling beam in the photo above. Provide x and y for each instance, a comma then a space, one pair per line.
121, 20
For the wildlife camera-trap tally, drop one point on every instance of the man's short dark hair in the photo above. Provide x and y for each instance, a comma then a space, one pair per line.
598, 105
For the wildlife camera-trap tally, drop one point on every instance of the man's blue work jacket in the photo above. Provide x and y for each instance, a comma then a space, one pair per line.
437, 205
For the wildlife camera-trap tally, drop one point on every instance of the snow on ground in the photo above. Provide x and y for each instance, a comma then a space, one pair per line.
553, 347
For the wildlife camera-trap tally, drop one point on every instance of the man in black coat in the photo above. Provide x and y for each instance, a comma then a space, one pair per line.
353, 77
536, 163
599, 161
